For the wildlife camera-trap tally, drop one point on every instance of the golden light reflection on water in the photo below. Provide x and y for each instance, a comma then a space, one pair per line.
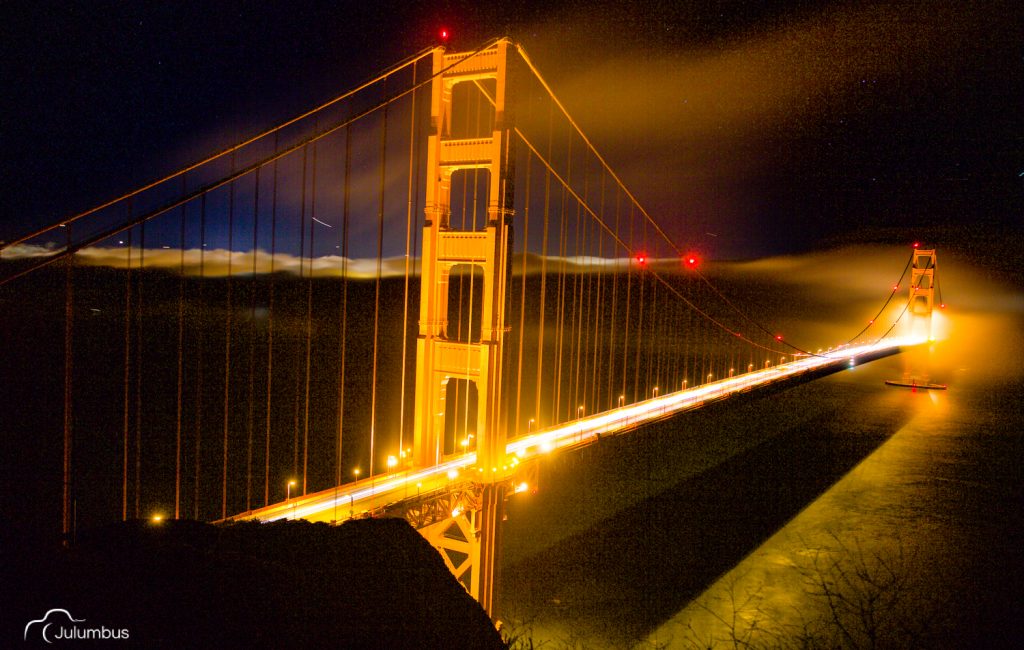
863, 527
886, 534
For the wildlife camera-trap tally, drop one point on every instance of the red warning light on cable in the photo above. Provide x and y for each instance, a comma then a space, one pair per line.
691, 260
778, 337
641, 259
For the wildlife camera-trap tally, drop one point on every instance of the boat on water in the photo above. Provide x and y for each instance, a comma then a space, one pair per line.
914, 385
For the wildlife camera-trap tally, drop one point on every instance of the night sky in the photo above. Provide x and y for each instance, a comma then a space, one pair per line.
746, 128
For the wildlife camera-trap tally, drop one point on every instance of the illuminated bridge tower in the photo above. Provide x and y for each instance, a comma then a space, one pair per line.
466, 535
922, 293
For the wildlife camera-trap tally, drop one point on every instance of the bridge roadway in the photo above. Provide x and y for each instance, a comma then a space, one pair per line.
384, 490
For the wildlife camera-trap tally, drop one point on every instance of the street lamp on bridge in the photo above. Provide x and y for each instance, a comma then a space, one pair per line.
288, 495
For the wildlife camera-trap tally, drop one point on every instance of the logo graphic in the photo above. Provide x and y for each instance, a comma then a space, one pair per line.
59, 624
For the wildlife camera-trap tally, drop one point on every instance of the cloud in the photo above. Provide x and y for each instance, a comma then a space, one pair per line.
782, 74
708, 135
215, 263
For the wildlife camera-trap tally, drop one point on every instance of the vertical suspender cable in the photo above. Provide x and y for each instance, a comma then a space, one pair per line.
516, 423
650, 338
576, 329
676, 326
138, 370
613, 323
127, 373
309, 321
408, 262
686, 346
344, 302
270, 334
629, 291
595, 397
251, 391
200, 395
543, 274
376, 299
66, 524
227, 347
640, 326
181, 359
298, 358
563, 226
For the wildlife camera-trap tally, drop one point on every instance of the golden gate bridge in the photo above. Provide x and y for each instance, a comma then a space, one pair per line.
391, 304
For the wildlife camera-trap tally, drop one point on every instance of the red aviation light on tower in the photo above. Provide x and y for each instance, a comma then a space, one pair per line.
917, 244
691, 260
443, 35
641, 259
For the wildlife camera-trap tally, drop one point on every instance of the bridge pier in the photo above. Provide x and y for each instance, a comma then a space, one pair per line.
464, 525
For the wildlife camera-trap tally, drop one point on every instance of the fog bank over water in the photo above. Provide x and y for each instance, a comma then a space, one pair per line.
839, 513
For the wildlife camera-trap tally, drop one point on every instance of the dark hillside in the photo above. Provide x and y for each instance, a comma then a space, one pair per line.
371, 583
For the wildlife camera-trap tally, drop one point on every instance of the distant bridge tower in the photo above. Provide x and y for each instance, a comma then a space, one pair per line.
467, 540
922, 293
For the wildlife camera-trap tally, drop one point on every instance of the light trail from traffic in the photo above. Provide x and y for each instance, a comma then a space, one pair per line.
371, 494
